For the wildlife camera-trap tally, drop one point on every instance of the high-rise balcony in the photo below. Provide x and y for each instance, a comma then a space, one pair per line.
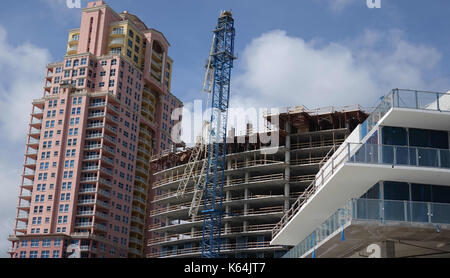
367, 162
29, 173
359, 212
33, 142
91, 147
137, 219
140, 200
142, 170
140, 149
95, 125
101, 227
140, 189
138, 209
141, 159
136, 230
28, 184
30, 164
83, 224
96, 115
146, 132
21, 228
72, 49
86, 201
38, 114
118, 32
35, 133
91, 157
23, 216
74, 39
108, 160
26, 195
97, 104
158, 56
141, 179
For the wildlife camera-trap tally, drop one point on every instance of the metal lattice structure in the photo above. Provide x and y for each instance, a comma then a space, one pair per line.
221, 57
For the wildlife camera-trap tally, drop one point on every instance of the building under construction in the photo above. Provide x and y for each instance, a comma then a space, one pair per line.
260, 183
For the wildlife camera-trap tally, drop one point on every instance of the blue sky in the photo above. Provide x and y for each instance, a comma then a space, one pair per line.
309, 52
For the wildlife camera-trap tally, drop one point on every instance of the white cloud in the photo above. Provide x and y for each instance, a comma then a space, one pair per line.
280, 70
277, 70
22, 69
339, 5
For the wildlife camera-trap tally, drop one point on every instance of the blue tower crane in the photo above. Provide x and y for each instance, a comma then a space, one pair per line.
221, 63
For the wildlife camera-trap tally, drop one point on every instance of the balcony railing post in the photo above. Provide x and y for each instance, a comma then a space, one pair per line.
417, 99
394, 149
417, 157
429, 212
437, 102
405, 210
438, 158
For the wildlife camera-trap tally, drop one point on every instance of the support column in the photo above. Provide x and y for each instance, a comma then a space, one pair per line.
227, 208
287, 169
227, 197
245, 208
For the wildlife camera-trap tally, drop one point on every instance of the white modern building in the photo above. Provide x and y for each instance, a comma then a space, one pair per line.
385, 192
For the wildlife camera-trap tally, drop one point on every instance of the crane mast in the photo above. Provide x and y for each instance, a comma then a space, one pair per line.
221, 63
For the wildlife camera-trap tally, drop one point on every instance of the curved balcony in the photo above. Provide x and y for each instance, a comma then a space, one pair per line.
265, 214
139, 200
229, 185
225, 249
116, 42
197, 236
180, 210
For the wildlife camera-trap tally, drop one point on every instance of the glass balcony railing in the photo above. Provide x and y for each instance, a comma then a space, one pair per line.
400, 98
373, 210
368, 154
399, 155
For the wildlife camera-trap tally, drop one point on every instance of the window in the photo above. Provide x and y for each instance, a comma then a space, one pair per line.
104, 63
57, 243
45, 254
68, 63
56, 254
24, 243
35, 243
76, 63
46, 242
113, 62
33, 254
83, 61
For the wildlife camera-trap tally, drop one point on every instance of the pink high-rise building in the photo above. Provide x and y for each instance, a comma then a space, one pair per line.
106, 109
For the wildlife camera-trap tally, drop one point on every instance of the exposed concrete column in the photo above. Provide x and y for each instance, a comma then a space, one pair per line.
287, 170
227, 208
245, 209
227, 195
